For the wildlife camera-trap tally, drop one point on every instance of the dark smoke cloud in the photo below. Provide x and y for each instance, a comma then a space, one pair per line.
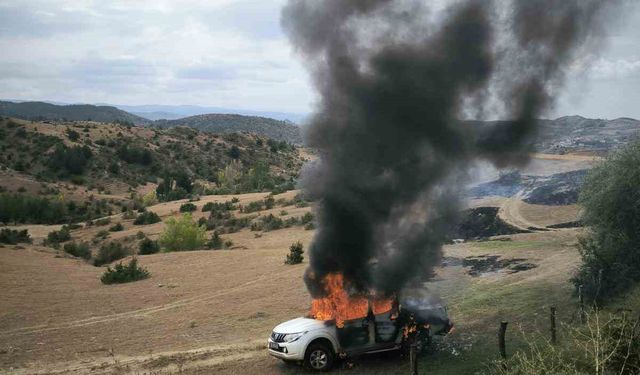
394, 84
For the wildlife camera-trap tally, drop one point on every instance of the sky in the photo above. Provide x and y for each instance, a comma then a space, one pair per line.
225, 53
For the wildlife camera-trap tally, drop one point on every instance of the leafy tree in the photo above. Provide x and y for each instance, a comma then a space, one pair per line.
295, 253
121, 273
610, 251
183, 234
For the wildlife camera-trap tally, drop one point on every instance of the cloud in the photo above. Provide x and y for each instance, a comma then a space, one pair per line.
224, 53
216, 52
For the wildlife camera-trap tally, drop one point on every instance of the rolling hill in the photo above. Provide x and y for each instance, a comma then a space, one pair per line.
42, 111
229, 123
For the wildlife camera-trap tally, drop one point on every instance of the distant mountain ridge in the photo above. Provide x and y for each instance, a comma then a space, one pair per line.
229, 123
564, 134
37, 111
213, 123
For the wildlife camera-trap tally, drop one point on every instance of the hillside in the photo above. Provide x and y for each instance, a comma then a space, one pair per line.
228, 123
86, 160
40, 111
576, 133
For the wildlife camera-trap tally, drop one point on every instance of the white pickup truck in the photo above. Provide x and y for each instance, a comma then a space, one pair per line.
316, 343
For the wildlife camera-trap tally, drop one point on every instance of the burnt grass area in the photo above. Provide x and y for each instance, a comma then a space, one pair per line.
483, 264
481, 222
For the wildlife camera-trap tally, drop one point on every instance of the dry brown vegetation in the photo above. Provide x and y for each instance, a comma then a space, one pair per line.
206, 310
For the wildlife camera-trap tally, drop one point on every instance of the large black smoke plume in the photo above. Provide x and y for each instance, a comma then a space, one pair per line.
395, 79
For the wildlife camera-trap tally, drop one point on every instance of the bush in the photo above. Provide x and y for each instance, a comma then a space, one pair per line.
101, 235
215, 243
81, 250
610, 251
306, 218
69, 161
607, 345
13, 237
253, 207
148, 246
188, 207
116, 228
147, 218
124, 273
295, 253
110, 252
57, 237
218, 207
103, 221
183, 234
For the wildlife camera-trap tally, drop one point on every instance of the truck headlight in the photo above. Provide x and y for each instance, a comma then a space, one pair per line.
291, 337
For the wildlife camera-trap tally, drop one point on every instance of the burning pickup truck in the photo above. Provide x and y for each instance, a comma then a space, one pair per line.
356, 326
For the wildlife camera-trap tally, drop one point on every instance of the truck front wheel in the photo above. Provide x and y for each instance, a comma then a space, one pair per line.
318, 357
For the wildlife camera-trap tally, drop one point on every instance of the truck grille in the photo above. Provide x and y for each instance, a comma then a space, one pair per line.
277, 337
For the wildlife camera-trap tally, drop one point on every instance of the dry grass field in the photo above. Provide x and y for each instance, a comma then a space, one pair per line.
207, 311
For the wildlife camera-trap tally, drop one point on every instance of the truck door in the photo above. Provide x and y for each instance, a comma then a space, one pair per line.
385, 315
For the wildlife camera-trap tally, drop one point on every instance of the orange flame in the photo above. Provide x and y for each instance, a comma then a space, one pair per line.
338, 305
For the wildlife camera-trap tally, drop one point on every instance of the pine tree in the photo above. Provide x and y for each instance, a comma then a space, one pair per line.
295, 254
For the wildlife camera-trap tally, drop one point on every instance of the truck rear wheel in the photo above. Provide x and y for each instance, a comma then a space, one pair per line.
318, 357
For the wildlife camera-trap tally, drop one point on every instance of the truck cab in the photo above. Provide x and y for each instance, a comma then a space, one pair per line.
317, 343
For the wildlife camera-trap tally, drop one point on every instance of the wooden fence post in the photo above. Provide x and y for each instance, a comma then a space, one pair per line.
554, 338
413, 358
501, 339
581, 297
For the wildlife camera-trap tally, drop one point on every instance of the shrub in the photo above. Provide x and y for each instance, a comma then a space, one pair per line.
73, 135
148, 246
110, 252
218, 207
183, 234
150, 198
116, 228
234, 152
147, 218
188, 207
269, 202
610, 251
69, 161
13, 237
607, 345
270, 222
102, 235
80, 250
306, 218
124, 273
103, 221
215, 243
310, 226
295, 253
253, 207
58, 236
